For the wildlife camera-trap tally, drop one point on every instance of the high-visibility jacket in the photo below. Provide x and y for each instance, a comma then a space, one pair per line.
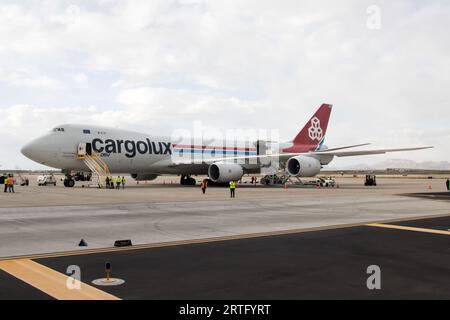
124, 180
10, 181
118, 180
232, 185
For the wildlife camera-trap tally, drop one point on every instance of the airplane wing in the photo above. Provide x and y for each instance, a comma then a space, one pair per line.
284, 156
367, 152
347, 147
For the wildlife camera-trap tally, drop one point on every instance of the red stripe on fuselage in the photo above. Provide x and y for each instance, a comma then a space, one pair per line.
212, 147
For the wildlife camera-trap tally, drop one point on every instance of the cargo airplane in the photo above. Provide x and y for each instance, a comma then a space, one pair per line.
146, 157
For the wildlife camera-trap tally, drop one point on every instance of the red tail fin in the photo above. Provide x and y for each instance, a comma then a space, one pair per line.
313, 133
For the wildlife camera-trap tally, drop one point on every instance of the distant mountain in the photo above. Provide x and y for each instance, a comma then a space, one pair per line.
400, 164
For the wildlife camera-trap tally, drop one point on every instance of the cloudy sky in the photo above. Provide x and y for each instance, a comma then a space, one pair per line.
157, 66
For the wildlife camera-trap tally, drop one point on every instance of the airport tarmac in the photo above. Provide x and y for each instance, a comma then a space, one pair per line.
413, 263
52, 219
177, 228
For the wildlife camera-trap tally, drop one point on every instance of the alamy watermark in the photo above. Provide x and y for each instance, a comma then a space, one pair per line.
73, 281
203, 143
373, 17
374, 280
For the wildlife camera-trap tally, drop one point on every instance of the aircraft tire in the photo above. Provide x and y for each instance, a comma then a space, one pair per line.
187, 181
69, 183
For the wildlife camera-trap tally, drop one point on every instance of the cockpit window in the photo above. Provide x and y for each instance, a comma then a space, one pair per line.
58, 130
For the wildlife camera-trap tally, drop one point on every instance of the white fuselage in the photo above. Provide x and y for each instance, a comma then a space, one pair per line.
87, 148
130, 152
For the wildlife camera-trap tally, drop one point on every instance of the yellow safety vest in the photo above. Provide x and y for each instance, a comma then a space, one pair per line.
124, 180
232, 185
118, 180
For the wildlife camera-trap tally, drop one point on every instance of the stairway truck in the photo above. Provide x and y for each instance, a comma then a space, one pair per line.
99, 170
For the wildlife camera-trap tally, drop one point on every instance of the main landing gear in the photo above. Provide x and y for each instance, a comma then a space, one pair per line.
187, 181
69, 180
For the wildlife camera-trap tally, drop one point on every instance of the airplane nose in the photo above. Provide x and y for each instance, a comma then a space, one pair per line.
43, 150
27, 150
40, 150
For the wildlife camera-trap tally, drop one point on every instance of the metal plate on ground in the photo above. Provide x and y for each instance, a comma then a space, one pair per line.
108, 282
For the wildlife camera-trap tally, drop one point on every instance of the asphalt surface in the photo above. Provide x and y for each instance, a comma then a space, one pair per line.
432, 195
33, 230
328, 264
14, 289
437, 224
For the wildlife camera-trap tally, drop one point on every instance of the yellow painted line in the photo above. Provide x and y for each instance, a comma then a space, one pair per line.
405, 228
179, 242
51, 282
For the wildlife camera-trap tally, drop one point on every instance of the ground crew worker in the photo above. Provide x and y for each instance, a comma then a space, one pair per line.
107, 182
123, 182
448, 184
232, 189
204, 185
11, 184
118, 180
111, 182
5, 182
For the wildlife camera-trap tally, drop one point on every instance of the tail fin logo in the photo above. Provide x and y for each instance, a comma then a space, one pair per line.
315, 131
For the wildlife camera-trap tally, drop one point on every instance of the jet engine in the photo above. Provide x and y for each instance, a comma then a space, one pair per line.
302, 166
225, 172
144, 176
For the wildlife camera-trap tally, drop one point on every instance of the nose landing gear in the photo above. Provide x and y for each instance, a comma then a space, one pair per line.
69, 182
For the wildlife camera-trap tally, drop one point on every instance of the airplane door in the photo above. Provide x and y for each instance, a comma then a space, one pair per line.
89, 149
81, 150
262, 149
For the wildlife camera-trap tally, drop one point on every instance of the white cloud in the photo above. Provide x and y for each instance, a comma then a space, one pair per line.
80, 78
29, 79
